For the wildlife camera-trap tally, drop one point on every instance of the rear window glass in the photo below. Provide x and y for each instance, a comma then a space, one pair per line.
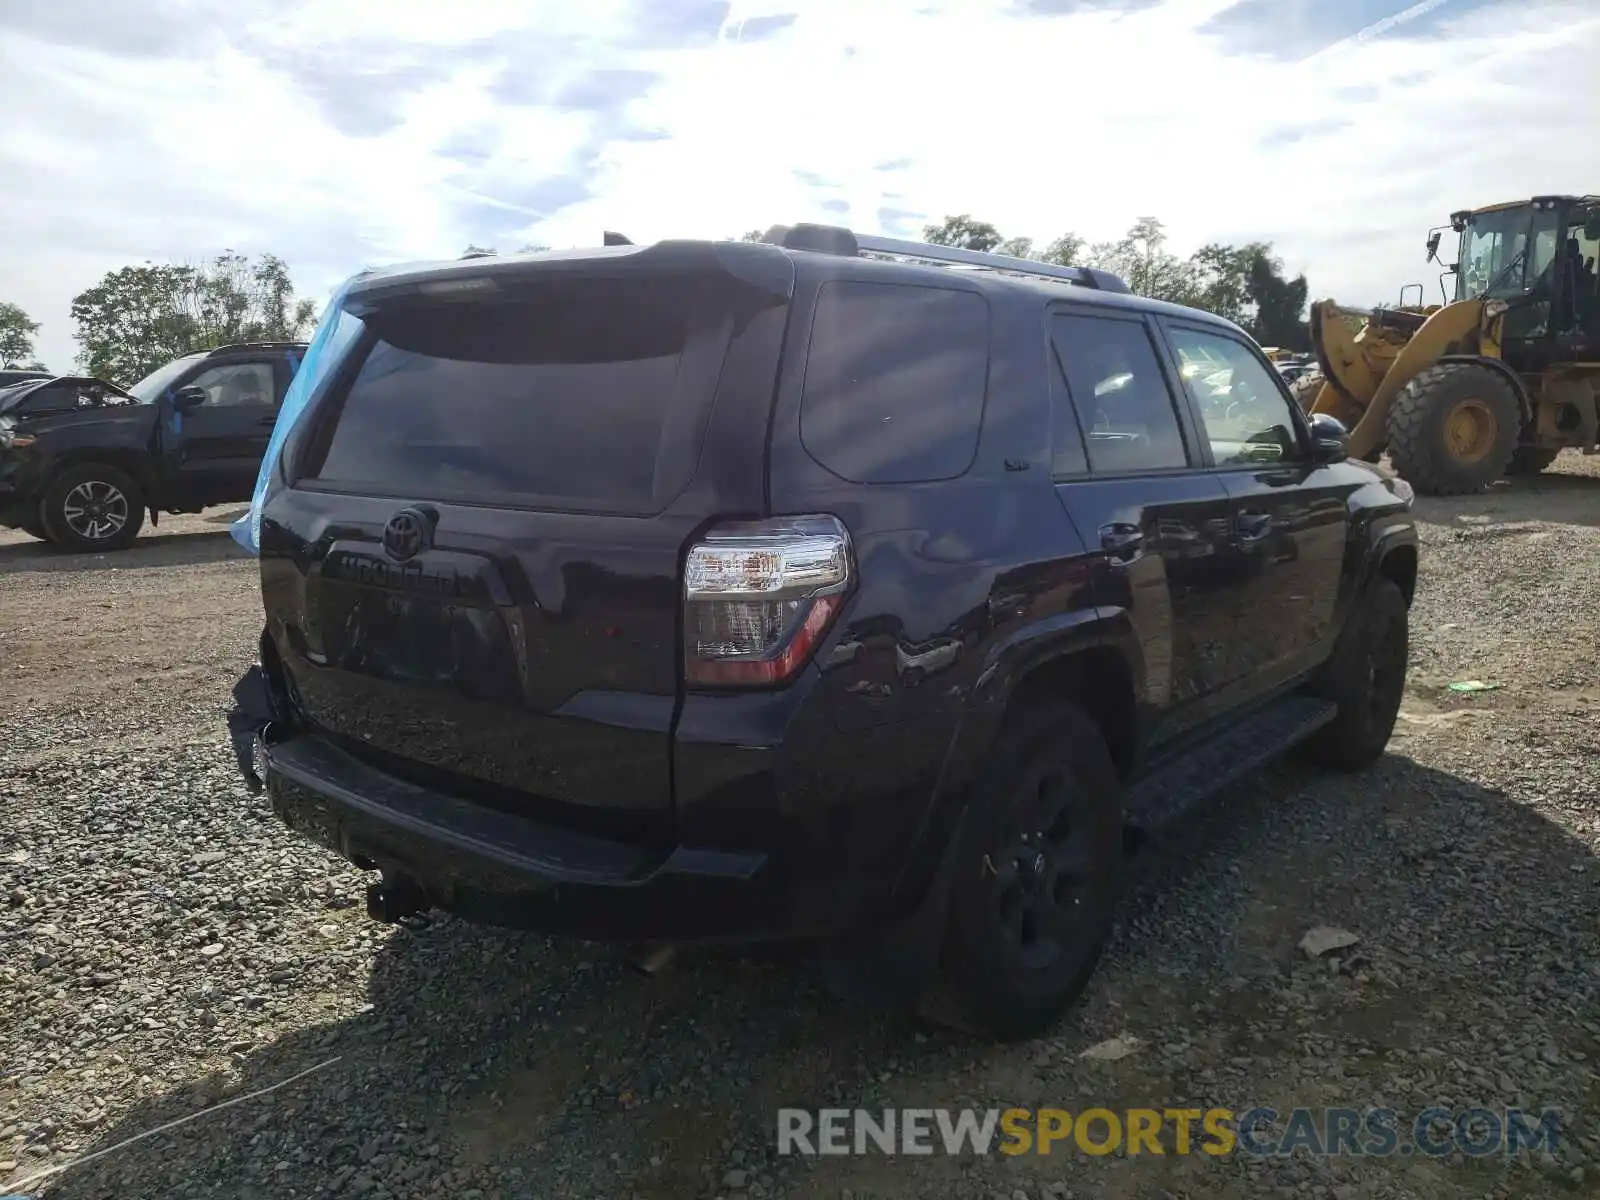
561, 394
895, 381
1120, 394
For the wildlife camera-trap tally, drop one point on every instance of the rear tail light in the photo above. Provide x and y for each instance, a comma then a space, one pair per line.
759, 596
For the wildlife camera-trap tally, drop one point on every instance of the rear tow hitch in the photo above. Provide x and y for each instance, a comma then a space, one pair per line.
399, 902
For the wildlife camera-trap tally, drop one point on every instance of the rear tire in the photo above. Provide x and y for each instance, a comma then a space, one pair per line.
1366, 677
1453, 429
1036, 877
89, 508
1530, 460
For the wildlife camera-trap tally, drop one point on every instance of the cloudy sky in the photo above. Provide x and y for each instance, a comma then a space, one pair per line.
337, 133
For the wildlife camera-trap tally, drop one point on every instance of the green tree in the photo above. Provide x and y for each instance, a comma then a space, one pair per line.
137, 318
964, 233
1280, 304
1222, 279
1143, 261
17, 331
1244, 284
1064, 251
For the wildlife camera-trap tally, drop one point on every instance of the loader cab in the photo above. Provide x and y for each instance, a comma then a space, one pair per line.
1540, 256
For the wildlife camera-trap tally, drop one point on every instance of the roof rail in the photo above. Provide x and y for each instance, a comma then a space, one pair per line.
832, 239
255, 346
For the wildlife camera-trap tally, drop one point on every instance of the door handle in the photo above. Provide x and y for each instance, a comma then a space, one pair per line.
1252, 527
1121, 540
269, 421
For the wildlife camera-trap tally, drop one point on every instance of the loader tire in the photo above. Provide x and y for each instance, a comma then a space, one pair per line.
1530, 460
1453, 429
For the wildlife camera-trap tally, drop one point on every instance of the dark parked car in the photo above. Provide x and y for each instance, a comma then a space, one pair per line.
81, 461
815, 587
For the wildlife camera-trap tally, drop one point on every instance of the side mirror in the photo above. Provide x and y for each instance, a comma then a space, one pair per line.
189, 398
1591, 225
1330, 440
1433, 244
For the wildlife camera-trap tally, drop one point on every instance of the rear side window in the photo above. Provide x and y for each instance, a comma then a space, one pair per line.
562, 395
895, 381
1119, 393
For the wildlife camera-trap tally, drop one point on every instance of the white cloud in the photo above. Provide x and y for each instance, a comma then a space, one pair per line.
1041, 124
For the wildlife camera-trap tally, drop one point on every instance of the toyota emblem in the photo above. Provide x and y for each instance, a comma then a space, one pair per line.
407, 534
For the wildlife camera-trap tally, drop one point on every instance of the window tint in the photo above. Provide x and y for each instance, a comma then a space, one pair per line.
1246, 416
895, 381
1120, 395
560, 393
1067, 456
237, 385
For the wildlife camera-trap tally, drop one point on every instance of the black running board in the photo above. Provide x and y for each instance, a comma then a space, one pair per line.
1176, 786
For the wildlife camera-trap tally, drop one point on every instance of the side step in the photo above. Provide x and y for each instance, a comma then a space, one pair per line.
1180, 784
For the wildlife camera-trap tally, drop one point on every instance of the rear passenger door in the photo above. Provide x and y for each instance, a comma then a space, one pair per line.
1289, 514
1129, 470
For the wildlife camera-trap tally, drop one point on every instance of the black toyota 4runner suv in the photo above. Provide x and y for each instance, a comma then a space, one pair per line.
813, 587
82, 461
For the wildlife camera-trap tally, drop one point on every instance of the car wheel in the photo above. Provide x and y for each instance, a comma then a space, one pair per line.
1037, 876
91, 507
1367, 679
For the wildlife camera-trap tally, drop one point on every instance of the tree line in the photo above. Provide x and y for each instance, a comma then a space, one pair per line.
1245, 284
139, 317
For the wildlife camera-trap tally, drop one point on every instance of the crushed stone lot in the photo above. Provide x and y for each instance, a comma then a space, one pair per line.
165, 946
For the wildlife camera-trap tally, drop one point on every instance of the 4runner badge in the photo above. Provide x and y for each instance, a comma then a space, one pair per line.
408, 533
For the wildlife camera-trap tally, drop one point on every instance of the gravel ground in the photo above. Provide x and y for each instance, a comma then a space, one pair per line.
165, 946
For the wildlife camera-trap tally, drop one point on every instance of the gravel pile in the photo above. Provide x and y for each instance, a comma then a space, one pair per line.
165, 946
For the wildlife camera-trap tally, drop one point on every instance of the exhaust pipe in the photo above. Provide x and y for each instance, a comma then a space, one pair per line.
652, 959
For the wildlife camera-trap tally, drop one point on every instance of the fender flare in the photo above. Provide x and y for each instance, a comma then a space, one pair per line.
1054, 638
1387, 541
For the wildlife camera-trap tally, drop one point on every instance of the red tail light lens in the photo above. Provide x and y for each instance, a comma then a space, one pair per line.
759, 596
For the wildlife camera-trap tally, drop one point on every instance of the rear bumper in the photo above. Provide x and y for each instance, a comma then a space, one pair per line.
490, 866
495, 867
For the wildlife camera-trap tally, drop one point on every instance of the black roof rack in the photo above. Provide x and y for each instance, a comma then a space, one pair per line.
256, 346
835, 239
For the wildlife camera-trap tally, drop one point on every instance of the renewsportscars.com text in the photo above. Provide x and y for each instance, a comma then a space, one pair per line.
1261, 1131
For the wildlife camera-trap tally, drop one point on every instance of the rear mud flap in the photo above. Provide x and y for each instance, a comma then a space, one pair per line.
248, 722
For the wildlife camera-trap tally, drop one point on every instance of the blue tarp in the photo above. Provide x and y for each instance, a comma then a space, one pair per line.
335, 332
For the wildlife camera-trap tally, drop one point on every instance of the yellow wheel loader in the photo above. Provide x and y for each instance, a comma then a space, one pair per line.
1499, 378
